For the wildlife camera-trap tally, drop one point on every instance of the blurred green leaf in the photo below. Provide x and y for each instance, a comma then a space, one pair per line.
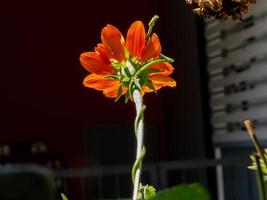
63, 197
149, 192
252, 167
184, 192
139, 195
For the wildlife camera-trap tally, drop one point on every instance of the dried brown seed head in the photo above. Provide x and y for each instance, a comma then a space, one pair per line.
221, 8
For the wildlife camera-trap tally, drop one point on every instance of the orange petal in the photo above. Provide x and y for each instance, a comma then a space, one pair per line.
114, 42
164, 68
146, 89
98, 82
113, 91
135, 40
94, 63
159, 81
152, 48
103, 52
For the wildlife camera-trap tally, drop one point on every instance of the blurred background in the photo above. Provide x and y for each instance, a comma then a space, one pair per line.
193, 131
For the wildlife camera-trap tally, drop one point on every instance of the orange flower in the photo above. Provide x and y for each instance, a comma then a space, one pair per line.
116, 64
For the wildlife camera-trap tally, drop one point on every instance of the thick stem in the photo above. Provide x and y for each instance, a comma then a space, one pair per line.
138, 100
252, 134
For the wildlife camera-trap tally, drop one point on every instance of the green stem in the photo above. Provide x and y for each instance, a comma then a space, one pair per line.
260, 179
151, 24
139, 132
152, 62
168, 59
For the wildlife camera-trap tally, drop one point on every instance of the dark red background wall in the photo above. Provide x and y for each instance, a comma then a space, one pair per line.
42, 96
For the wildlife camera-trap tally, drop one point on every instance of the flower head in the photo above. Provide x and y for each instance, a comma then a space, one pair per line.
119, 66
221, 8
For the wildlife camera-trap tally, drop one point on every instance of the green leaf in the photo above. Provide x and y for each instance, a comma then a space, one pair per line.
126, 80
152, 70
138, 119
116, 64
149, 192
119, 94
252, 158
184, 192
151, 86
139, 195
143, 77
127, 96
252, 167
64, 197
113, 77
261, 162
127, 72
138, 162
151, 24
168, 59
